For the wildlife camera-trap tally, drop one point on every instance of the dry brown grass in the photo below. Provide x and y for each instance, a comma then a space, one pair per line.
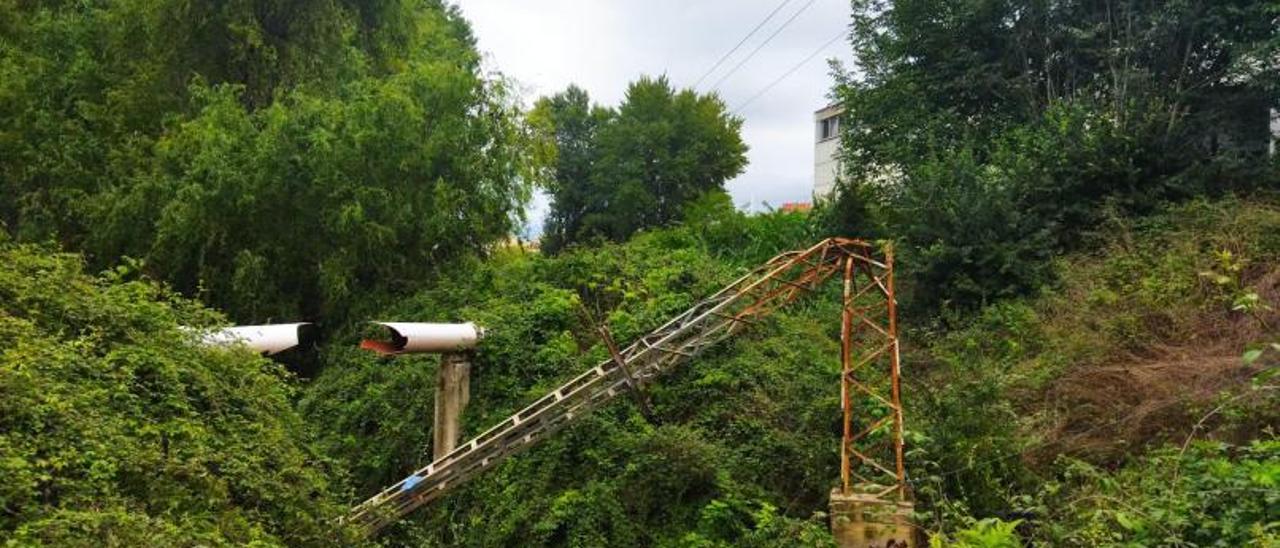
1161, 391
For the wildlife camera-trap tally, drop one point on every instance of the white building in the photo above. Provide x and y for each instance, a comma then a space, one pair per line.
826, 149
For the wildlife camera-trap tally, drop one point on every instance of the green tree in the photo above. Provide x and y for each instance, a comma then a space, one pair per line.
934, 73
275, 158
573, 124
1049, 112
661, 150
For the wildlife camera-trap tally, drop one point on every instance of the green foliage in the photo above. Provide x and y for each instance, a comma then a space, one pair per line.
116, 430
936, 73
741, 450
722, 524
998, 400
1210, 495
320, 159
730, 459
294, 209
968, 460
636, 167
272, 158
990, 136
987, 533
966, 241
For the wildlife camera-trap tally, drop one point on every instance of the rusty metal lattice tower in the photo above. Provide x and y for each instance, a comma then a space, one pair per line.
871, 449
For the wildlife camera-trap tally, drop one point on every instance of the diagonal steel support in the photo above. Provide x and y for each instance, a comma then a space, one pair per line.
633, 383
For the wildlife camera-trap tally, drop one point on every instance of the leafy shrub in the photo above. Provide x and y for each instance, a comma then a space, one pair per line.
116, 430
987, 533
1212, 494
966, 238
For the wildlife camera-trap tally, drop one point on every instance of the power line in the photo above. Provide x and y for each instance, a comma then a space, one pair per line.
789, 72
740, 43
762, 44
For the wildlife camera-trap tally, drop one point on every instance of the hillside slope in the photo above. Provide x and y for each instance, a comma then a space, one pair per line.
1134, 402
1034, 403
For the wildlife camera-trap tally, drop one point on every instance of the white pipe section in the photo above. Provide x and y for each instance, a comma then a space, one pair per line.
267, 339
1275, 131
412, 337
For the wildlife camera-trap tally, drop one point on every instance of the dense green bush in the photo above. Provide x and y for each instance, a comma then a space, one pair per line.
1211, 494
987, 533
966, 238
116, 430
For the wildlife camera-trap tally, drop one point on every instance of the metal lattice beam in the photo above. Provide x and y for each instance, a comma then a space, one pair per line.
869, 322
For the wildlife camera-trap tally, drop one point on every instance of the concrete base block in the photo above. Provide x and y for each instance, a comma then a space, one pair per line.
862, 520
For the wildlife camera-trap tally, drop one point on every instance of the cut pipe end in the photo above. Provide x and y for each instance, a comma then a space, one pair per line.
428, 338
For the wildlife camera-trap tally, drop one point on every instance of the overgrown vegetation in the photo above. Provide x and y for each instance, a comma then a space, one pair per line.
1016, 417
708, 471
988, 137
1133, 351
1089, 243
116, 431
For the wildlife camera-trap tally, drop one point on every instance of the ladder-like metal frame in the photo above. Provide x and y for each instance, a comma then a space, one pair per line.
776, 283
869, 314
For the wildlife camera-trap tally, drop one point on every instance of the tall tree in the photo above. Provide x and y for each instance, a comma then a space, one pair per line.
935, 73
573, 124
278, 158
637, 167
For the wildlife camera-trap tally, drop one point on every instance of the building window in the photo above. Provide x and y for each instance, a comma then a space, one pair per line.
828, 128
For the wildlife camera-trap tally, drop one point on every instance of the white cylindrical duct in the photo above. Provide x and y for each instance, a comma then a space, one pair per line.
412, 337
267, 339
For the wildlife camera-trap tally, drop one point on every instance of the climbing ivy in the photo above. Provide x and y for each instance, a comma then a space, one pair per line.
116, 429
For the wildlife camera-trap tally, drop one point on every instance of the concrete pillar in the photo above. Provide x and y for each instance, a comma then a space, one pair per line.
453, 391
863, 520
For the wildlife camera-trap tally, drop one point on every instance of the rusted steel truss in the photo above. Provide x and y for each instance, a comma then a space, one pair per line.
871, 449
776, 283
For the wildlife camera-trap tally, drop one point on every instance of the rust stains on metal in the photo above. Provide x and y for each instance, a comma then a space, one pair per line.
869, 454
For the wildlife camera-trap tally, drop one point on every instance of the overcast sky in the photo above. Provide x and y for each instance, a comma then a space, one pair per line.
602, 45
